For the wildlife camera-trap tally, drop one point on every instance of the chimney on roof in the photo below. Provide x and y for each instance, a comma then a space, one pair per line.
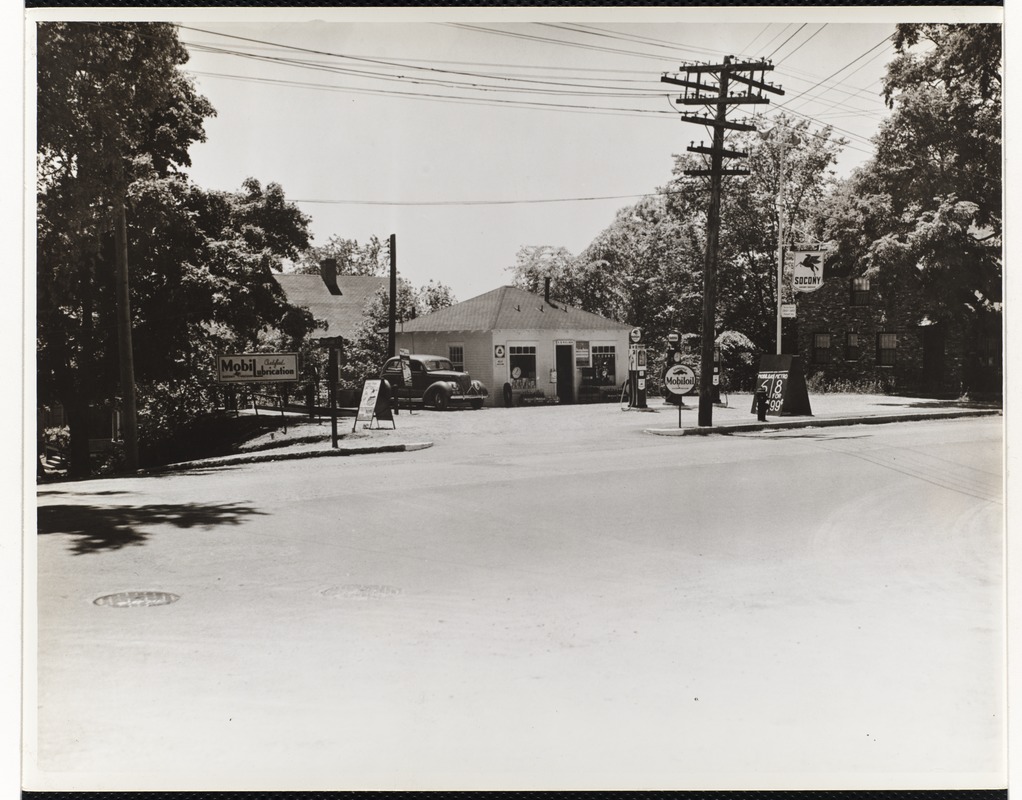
546, 292
328, 271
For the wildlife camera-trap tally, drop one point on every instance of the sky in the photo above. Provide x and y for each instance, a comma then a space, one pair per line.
471, 133
469, 138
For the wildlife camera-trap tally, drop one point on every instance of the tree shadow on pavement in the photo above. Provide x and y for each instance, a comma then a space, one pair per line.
99, 528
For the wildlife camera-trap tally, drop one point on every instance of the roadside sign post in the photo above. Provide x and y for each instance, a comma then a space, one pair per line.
259, 368
406, 378
331, 377
680, 380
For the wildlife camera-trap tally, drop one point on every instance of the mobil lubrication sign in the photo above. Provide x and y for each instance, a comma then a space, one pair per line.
257, 367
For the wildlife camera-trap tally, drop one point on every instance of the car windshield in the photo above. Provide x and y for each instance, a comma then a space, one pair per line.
433, 364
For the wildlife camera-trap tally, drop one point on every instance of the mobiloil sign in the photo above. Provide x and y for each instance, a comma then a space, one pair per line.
680, 379
257, 367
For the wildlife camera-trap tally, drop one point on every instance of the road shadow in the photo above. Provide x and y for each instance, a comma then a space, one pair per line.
95, 529
941, 404
784, 434
52, 492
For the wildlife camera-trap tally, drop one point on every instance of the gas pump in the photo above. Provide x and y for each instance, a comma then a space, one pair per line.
715, 388
636, 369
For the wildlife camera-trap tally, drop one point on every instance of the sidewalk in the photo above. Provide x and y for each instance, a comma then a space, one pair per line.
305, 439
828, 410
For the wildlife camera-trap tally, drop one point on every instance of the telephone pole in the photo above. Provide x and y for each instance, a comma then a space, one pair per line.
129, 406
718, 96
392, 316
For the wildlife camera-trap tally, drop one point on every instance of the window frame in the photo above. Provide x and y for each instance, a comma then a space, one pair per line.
598, 353
858, 295
821, 354
528, 380
853, 350
892, 359
459, 365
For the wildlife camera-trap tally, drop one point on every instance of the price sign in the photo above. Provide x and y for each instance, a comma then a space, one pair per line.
782, 379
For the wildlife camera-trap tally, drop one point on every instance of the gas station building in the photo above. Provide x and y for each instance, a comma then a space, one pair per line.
525, 347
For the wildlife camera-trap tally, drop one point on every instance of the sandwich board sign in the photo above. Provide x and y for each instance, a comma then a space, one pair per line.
374, 404
785, 384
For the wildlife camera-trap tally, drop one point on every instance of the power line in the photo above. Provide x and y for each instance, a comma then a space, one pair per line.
804, 42
524, 104
418, 203
786, 40
882, 42
548, 40
777, 35
748, 47
369, 74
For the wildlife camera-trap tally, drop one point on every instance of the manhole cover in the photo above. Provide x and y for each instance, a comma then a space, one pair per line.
133, 599
361, 592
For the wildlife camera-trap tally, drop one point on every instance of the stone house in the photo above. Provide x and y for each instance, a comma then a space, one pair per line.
861, 331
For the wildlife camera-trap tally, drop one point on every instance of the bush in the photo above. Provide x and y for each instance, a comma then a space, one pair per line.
59, 439
818, 383
167, 413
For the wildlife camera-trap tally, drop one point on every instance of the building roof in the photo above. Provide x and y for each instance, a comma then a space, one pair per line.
510, 308
344, 312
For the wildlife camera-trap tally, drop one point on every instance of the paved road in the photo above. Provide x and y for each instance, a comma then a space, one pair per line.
557, 606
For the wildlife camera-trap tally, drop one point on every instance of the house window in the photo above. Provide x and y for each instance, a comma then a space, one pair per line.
821, 348
456, 352
851, 347
605, 364
887, 347
859, 292
522, 360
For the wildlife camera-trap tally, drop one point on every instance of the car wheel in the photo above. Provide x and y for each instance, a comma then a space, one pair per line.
441, 400
477, 404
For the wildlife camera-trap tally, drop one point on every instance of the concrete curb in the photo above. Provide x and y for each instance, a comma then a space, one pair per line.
257, 458
827, 422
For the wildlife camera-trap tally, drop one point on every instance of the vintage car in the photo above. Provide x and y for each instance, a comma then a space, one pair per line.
435, 382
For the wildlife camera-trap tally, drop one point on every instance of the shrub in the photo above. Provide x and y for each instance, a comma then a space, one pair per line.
819, 383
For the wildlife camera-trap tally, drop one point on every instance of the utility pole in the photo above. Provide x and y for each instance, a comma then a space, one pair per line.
718, 97
780, 242
129, 406
392, 328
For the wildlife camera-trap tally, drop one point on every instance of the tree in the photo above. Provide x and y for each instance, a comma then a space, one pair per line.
434, 296
747, 257
927, 207
352, 258
367, 351
202, 262
113, 107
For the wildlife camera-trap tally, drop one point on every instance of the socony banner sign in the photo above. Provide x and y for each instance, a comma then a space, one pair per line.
808, 275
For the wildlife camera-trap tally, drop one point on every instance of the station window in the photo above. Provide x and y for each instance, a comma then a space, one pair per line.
859, 295
522, 360
821, 348
456, 352
887, 348
851, 346
605, 364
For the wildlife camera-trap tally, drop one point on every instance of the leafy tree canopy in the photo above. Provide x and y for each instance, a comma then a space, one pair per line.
928, 205
352, 258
